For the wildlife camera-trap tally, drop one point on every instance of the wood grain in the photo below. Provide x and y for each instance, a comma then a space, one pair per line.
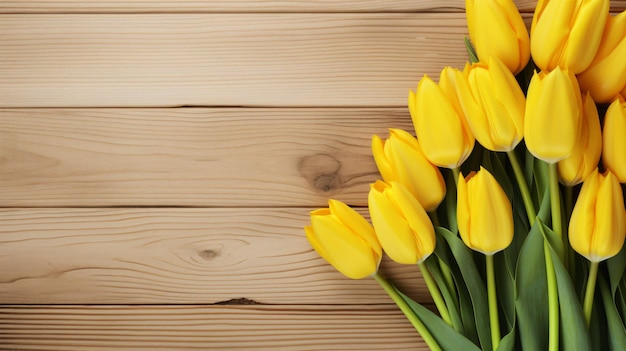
190, 157
319, 327
159, 256
143, 6
165, 60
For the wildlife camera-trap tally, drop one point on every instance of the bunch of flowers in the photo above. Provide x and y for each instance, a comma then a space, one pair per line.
509, 199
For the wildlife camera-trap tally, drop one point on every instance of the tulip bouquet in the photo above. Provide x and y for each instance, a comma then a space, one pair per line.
509, 199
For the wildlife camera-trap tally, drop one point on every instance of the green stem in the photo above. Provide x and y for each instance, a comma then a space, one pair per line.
445, 271
555, 199
553, 301
408, 312
523, 187
455, 173
590, 290
568, 255
435, 294
493, 303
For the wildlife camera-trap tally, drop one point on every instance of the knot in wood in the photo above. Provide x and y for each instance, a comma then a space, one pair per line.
209, 254
322, 172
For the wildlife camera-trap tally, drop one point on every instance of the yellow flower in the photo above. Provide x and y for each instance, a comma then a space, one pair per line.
497, 29
553, 115
345, 239
614, 139
586, 154
567, 33
598, 225
494, 104
606, 75
484, 213
403, 227
400, 158
439, 121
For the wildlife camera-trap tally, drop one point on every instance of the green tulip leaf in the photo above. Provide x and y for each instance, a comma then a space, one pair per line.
471, 52
505, 289
508, 342
553, 239
450, 202
542, 188
529, 165
473, 280
616, 266
532, 293
615, 326
575, 335
447, 338
432, 264
465, 307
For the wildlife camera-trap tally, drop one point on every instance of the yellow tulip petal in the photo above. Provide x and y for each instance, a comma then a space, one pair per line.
597, 227
484, 213
553, 115
613, 136
382, 160
394, 233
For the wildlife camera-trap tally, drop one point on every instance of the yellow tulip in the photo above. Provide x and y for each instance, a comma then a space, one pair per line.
345, 239
586, 154
484, 213
439, 121
553, 115
497, 29
614, 139
403, 227
567, 33
400, 158
598, 225
606, 75
494, 104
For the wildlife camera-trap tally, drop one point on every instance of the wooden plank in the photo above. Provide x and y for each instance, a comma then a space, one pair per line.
156, 256
293, 328
143, 6
190, 157
164, 60
286, 6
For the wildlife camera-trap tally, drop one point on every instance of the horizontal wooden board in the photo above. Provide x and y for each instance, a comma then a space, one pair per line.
293, 328
156, 256
117, 6
190, 156
164, 60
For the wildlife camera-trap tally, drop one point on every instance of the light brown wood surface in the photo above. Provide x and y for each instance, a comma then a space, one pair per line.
190, 157
218, 328
169, 255
168, 60
143, 6
158, 161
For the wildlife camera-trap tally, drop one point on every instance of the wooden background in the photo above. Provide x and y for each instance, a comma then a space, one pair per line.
158, 161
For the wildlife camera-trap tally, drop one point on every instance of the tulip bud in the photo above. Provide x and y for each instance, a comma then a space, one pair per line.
614, 139
567, 33
403, 227
553, 117
345, 239
606, 75
586, 154
497, 29
400, 159
439, 121
598, 225
494, 104
484, 213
